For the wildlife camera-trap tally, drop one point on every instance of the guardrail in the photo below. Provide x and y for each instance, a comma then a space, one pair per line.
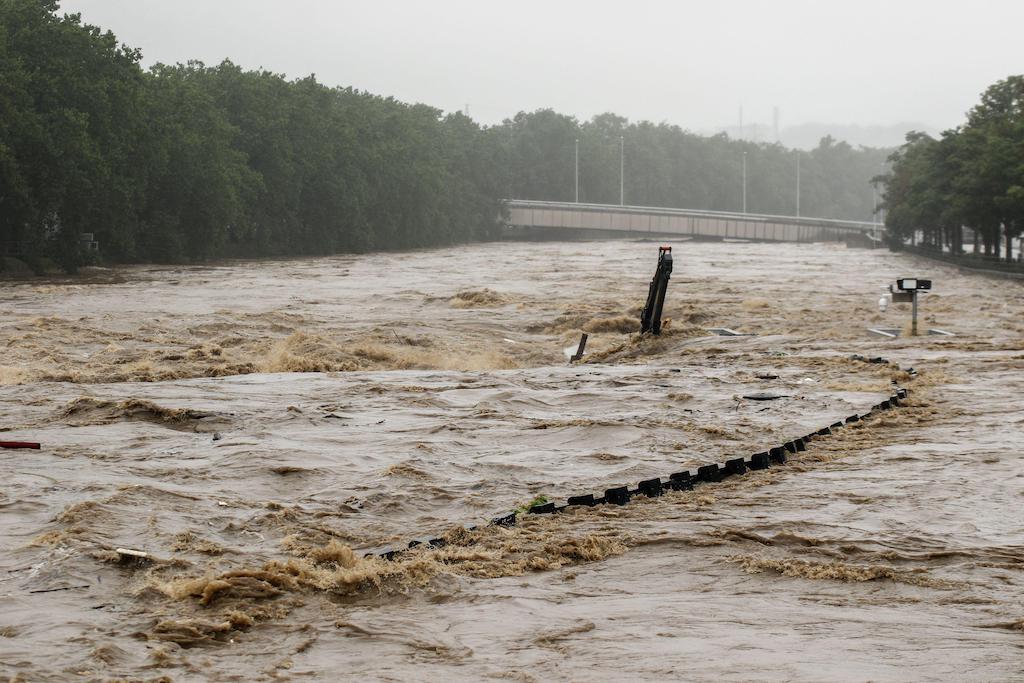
859, 226
978, 262
653, 220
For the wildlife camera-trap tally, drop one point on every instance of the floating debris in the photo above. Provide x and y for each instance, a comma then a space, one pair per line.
763, 396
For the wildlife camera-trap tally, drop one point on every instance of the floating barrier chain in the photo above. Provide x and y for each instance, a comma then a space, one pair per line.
677, 481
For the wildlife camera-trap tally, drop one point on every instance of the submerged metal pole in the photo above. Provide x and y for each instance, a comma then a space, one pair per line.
913, 319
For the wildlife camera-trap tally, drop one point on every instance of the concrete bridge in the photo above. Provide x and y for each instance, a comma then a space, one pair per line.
554, 220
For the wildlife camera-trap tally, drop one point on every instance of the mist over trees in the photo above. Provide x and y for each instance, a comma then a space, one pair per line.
971, 177
189, 162
668, 166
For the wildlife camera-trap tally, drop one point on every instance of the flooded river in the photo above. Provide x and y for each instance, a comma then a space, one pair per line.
256, 427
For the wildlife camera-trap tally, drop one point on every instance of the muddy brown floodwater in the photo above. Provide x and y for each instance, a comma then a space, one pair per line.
255, 427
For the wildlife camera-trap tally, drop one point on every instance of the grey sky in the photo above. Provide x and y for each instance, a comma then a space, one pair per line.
690, 63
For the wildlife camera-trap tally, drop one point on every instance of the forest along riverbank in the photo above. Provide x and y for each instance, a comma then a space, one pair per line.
252, 425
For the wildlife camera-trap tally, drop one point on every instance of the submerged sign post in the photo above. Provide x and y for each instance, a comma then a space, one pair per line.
906, 291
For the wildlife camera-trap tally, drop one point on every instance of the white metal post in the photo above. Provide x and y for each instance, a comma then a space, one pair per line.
798, 183
874, 206
881, 212
577, 170
744, 182
622, 171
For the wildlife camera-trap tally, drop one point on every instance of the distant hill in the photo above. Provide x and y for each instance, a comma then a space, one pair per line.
807, 135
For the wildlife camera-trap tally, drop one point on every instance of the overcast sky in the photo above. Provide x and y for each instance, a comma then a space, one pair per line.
693, 63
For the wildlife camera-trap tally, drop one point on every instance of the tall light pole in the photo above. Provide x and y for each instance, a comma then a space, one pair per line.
744, 182
622, 170
881, 213
577, 170
798, 183
874, 205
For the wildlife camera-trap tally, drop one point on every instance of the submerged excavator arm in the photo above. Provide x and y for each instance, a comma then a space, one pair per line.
650, 319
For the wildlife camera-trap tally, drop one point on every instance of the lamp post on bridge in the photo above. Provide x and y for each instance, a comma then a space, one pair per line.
577, 174
622, 170
744, 181
874, 207
798, 183
876, 211
881, 209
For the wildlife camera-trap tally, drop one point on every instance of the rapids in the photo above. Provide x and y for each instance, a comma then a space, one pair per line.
254, 427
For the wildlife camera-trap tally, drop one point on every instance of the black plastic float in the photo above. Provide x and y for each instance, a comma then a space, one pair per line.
759, 461
735, 466
709, 473
650, 487
586, 500
507, 519
617, 496
680, 481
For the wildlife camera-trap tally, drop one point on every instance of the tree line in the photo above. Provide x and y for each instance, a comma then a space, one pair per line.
187, 162
968, 184
665, 165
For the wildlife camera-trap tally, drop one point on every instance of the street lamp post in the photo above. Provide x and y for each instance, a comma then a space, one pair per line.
577, 170
798, 183
744, 182
881, 209
622, 171
874, 206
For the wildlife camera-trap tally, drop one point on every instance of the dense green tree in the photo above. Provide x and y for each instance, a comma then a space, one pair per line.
196, 180
189, 162
972, 177
72, 91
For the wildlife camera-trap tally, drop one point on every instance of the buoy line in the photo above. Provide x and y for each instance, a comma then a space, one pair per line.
676, 481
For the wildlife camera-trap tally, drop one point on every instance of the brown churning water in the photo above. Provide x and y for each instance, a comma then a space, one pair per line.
253, 427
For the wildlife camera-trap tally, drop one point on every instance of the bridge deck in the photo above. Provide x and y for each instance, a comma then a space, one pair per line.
552, 216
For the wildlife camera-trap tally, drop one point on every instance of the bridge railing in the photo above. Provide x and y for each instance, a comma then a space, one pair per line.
683, 222
859, 226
